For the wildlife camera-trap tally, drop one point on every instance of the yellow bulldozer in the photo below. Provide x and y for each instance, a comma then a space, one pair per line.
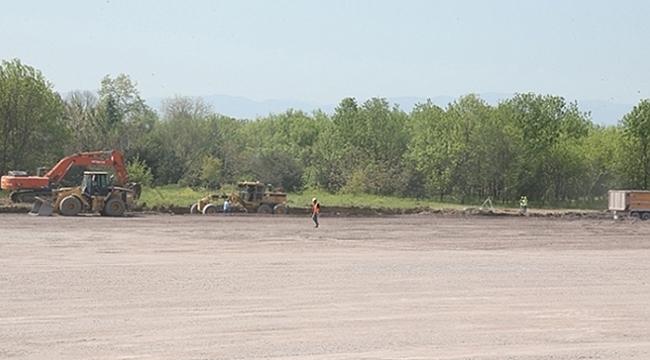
251, 197
95, 195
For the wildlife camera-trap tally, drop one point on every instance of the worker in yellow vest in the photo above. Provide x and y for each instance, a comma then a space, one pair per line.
523, 205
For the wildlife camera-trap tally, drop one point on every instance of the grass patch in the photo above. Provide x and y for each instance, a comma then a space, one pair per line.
596, 204
184, 196
325, 198
171, 195
4, 197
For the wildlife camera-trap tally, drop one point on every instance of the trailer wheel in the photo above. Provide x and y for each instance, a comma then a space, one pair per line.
635, 215
645, 216
210, 209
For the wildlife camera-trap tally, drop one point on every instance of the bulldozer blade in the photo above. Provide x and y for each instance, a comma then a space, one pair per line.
41, 207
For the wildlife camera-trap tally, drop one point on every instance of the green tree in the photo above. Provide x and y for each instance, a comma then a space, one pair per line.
373, 129
326, 165
31, 129
230, 147
546, 125
122, 97
501, 146
636, 130
176, 146
431, 148
385, 138
586, 168
277, 168
139, 172
83, 116
349, 125
601, 154
211, 172
366, 138
467, 123
124, 118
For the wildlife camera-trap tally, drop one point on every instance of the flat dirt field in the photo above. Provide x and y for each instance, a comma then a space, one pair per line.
383, 287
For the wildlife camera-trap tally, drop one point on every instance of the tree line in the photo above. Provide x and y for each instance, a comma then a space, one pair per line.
532, 144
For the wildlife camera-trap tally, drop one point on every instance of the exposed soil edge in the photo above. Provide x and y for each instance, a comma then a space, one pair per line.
368, 211
384, 211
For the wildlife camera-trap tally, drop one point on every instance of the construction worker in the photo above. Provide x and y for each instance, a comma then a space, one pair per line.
523, 205
226, 206
315, 209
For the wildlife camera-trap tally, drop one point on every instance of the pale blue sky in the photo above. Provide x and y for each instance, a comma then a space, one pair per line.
323, 51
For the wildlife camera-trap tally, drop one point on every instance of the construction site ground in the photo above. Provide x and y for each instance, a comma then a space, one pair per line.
422, 286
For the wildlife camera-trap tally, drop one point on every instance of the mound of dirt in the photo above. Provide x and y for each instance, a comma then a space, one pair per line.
6, 206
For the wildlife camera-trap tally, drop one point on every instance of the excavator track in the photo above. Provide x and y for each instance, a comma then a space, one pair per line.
28, 196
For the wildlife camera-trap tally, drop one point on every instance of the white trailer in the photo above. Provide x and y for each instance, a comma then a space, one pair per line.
634, 203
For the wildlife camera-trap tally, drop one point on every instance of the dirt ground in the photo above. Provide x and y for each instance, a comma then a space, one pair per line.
383, 287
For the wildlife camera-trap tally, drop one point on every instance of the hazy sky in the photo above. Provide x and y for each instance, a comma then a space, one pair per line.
323, 51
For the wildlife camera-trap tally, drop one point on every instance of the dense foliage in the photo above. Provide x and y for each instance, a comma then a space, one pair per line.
538, 145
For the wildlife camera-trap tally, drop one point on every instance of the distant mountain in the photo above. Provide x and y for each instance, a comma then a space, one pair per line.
243, 108
602, 112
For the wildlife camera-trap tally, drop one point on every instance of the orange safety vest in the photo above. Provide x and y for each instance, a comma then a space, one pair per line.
316, 208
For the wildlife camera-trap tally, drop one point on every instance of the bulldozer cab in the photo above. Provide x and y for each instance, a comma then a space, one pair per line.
95, 183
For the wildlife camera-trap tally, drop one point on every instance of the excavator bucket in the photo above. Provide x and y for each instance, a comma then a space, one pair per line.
41, 207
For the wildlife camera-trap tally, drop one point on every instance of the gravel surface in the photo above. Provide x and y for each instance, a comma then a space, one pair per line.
383, 287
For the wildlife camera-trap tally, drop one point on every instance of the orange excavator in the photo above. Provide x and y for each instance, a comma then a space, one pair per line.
25, 188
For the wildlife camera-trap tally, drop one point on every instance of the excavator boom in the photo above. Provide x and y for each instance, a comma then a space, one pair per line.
96, 158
